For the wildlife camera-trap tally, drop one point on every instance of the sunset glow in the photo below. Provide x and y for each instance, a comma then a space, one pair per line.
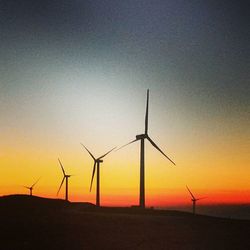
84, 80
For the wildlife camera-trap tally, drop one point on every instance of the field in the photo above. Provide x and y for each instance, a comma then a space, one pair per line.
39, 223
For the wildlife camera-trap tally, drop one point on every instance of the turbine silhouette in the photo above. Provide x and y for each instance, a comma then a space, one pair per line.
65, 177
142, 138
96, 168
32, 187
193, 199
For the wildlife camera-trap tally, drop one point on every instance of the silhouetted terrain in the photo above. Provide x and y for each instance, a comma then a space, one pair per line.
39, 223
231, 211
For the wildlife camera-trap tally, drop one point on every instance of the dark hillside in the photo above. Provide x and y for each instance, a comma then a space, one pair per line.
39, 223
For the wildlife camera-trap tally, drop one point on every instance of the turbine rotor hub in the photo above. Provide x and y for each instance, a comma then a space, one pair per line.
142, 136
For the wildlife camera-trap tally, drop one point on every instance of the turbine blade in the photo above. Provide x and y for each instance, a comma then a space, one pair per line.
106, 153
93, 174
26, 187
61, 167
127, 144
146, 115
151, 141
190, 193
60, 185
36, 182
201, 198
89, 152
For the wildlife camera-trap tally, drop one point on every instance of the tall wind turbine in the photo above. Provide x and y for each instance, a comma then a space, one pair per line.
65, 177
96, 167
193, 199
31, 187
142, 138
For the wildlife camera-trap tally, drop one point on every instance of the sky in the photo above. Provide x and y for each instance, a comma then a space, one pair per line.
77, 71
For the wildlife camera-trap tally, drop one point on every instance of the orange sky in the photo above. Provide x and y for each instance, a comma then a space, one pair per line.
80, 75
212, 164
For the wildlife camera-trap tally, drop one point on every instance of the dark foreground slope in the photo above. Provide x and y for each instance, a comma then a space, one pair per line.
37, 223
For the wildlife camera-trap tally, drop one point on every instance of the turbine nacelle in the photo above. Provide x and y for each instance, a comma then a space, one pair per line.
99, 160
142, 136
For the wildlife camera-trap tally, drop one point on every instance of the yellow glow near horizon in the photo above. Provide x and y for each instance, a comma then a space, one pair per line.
210, 171
211, 154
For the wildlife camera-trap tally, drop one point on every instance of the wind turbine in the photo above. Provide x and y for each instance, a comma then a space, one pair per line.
142, 138
31, 187
96, 167
193, 199
65, 177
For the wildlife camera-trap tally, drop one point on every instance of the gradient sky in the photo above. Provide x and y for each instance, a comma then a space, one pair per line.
77, 71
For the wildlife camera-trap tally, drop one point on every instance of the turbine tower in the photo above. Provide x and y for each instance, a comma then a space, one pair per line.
96, 167
142, 138
65, 177
31, 187
193, 199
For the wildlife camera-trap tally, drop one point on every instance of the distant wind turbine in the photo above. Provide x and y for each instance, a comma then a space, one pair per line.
65, 177
32, 187
142, 137
96, 167
193, 199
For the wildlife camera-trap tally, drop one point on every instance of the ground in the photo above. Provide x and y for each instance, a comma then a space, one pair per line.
38, 223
